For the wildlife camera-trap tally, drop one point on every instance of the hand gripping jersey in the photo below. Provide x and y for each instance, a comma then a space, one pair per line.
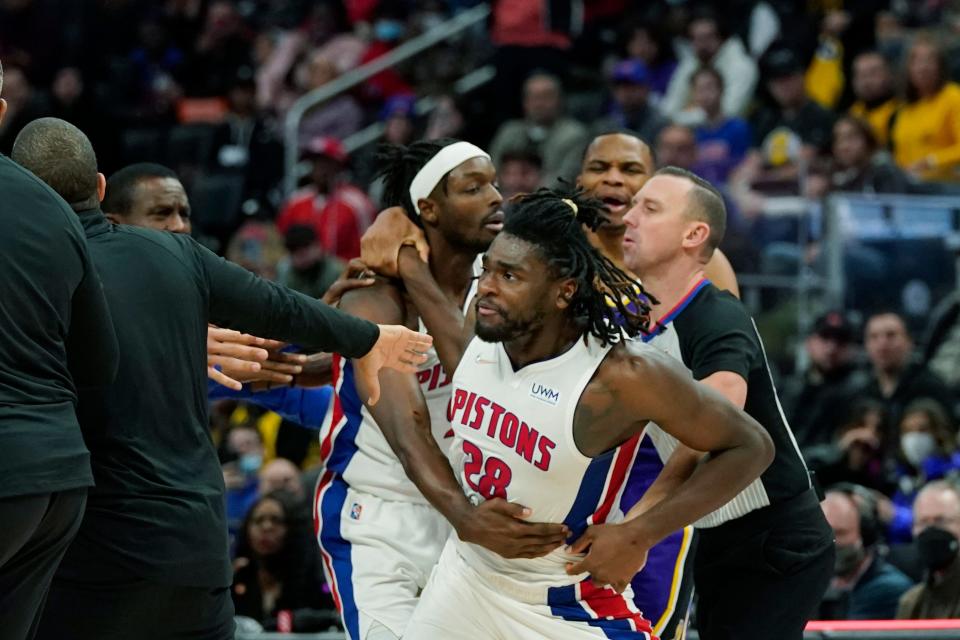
513, 439
351, 443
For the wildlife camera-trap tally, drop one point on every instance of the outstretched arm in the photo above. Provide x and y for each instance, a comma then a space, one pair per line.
651, 385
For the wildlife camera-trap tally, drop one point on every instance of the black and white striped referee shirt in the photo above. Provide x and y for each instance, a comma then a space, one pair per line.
709, 331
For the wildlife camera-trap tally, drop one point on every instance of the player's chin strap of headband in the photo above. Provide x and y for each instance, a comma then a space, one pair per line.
440, 165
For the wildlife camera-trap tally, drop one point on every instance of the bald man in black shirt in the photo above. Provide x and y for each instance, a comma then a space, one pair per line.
151, 558
57, 335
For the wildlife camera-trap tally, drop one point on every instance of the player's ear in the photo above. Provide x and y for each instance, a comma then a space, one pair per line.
696, 234
429, 212
565, 292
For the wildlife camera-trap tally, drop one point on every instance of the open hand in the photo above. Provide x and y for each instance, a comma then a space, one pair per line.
502, 527
397, 348
231, 356
613, 557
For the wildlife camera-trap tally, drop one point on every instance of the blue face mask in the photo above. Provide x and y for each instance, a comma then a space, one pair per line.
388, 30
250, 463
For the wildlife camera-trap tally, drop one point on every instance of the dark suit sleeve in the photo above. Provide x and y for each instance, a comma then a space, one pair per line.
93, 355
240, 300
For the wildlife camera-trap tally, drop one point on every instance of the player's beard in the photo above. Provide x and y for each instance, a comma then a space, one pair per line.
508, 329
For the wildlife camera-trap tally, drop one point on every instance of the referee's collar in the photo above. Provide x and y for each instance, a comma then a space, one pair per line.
659, 326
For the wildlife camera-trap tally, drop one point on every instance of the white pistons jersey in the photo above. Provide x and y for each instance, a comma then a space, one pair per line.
351, 443
513, 439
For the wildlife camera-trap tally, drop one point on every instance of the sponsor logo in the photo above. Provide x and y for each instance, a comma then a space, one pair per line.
544, 394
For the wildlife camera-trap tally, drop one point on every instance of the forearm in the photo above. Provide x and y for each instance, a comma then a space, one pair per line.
240, 300
444, 321
712, 484
678, 469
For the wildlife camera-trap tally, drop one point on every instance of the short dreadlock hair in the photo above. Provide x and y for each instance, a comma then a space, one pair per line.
398, 164
608, 302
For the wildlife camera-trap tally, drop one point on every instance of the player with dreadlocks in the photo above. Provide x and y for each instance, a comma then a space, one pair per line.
547, 410
388, 496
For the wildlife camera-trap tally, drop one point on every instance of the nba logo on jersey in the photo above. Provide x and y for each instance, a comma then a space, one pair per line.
544, 394
355, 511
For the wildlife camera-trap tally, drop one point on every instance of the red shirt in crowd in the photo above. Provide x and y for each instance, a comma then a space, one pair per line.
339, 218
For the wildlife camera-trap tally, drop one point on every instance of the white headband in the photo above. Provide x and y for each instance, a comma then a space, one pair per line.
440, 165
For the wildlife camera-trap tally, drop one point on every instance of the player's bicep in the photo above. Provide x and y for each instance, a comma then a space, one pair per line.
730, 385
696, 415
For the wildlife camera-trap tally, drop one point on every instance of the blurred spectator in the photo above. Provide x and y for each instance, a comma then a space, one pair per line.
631, 108
722, 141
865, 587
222, 48
399, 127
70, 101
158, 68
307, 268
558, 140
927, 451
338, 117
243, 451
389, 28
651, 45
257, 247
815, 400
246, 144
397, 116
281, 475
277, 571
446, 120
676, 147
896, 379
787, 133
926, 132
874, 89
709, 46
519, 172
338, 211
856, 455
24, 104
855, 164
528, 37
147, 195
936, 527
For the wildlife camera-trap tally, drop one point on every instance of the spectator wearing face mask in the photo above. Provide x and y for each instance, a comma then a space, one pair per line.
244, 449
865, 586
308, 268
936, 526
928, 452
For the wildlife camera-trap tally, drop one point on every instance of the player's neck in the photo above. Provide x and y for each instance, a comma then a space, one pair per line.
548, 342
452, 268
611, 244
669, 283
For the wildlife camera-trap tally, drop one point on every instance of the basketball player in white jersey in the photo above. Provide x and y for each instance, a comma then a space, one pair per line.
548, 408
383, 504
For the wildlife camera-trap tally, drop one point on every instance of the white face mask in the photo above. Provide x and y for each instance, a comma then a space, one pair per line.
917, 447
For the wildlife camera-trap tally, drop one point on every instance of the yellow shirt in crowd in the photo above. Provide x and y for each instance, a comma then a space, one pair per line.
878, 118
930, 128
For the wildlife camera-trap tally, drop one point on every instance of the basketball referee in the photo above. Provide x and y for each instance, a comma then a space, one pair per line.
764, 559
150, 560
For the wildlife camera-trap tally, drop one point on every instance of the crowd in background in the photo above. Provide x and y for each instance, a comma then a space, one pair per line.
765, 99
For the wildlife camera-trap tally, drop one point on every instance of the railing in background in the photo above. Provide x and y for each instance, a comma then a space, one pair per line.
352, 78
423, 106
